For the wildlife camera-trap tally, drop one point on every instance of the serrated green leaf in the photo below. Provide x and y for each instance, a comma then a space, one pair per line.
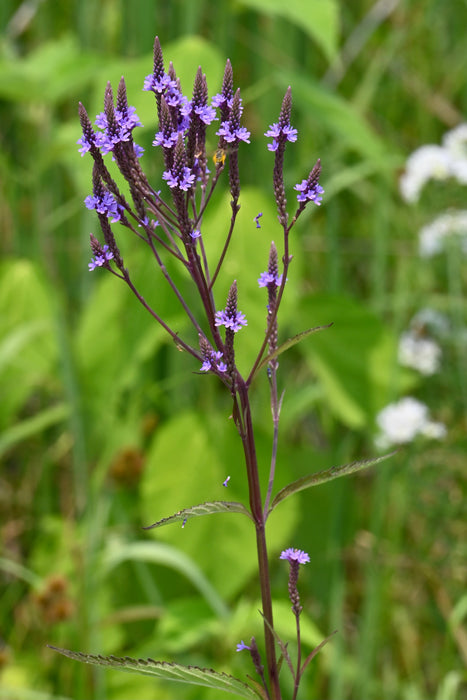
289, 344
322, 477
167, 671
202, 509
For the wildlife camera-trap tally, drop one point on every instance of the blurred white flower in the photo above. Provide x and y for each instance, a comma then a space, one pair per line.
455, 142
433, 162
426, 163
417, 352
402, 421
435, 321
432, 236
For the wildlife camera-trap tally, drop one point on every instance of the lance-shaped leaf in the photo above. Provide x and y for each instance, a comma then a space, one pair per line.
202, 509
288, 344
168, 671
322, 477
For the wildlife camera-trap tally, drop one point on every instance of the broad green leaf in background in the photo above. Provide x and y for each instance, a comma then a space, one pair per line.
117, 552
28, 349
355, 360
190, 458
317, 18
169, 671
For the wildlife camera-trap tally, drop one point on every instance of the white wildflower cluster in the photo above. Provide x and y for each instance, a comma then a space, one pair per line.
404, 420
422, 354
417, 349
432, 162
432, 236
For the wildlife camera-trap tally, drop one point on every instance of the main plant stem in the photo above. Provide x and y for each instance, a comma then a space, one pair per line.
256, 506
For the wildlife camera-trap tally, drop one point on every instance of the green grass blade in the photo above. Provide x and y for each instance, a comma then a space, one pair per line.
31, 426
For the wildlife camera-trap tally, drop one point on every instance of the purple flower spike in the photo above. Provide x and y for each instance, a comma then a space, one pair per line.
242, 646
295, 555
309, 192
256, 219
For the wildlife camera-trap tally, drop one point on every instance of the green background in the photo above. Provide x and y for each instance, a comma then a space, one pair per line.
104, 428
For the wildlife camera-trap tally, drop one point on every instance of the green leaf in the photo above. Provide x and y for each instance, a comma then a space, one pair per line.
289, 344
167, 671
202, 509
118, 551
322, 477
317, 18
355, 362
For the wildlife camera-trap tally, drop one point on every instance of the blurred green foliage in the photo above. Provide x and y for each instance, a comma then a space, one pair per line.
104, 428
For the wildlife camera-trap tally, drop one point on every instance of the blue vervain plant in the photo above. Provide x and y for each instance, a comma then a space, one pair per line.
173, 227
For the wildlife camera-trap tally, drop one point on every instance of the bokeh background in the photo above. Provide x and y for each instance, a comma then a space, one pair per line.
105, 428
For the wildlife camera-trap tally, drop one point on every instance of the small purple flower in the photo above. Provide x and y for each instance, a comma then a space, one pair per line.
226, 482
221, 100
205, 113
242, 646
295, 555
309, 192
104, 204
233, 134
277, 133
256, 219
195, 234
85, 145
158, 85
182, 182
125, 121
165, 140
100, 260
139, 150
267, 278
234, 322
213, 361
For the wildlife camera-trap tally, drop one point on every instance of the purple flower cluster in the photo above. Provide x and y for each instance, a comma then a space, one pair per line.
213, 361
102, 259
233, 134
120, 131
104, 203
183, 181
233, 321
267, 278
280, 134
309, 192
295, 555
